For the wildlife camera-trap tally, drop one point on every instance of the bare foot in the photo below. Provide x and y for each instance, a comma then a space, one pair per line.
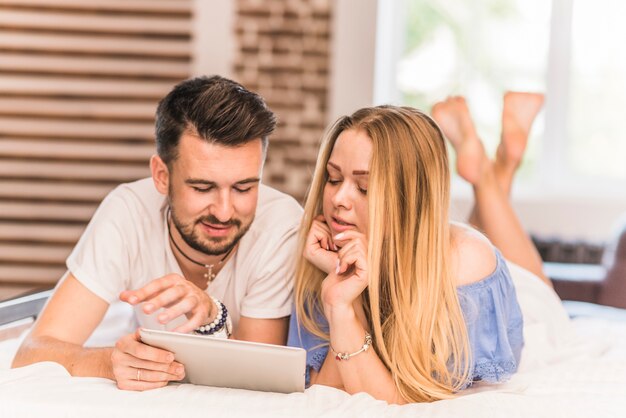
455, 121
518, 114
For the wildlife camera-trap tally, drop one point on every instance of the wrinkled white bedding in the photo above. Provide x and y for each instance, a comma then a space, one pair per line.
568, 369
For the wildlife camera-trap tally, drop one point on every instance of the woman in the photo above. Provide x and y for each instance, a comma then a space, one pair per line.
413, 308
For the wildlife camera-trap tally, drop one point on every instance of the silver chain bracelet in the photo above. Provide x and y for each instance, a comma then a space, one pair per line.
345, 356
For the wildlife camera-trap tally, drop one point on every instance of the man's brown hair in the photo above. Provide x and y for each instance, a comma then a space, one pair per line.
214, 108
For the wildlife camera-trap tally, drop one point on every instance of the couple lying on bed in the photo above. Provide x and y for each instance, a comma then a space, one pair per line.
410, 306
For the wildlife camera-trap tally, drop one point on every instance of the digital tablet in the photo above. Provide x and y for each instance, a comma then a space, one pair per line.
236, 364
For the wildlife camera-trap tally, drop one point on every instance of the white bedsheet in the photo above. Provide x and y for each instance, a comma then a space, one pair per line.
568, 369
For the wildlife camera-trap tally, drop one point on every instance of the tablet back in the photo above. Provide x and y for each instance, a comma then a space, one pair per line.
233, 364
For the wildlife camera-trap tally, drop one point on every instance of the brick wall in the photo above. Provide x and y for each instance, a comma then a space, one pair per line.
284, 54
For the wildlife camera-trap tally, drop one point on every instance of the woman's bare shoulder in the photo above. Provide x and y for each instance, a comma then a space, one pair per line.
473, 256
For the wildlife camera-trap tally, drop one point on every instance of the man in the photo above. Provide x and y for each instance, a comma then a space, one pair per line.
200, 244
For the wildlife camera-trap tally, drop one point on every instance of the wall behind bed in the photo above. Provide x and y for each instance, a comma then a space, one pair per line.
79, 83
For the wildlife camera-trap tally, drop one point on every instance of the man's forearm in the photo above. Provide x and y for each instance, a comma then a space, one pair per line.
78, 360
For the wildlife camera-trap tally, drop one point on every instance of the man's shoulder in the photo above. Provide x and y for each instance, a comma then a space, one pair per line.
142, 188
137, 201
272, 238
140, 193
277, 207
276, 220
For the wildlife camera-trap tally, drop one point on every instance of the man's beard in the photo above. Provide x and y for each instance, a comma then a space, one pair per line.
214, 246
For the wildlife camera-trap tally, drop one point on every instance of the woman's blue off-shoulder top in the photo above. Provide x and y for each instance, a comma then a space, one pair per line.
494, 327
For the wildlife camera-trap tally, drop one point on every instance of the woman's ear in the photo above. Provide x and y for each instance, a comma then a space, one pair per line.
160, 174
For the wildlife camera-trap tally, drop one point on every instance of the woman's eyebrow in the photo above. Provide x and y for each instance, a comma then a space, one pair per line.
355, 172
335, 166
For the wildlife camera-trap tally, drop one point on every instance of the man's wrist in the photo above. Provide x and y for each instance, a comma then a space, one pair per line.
106, 364
220, 325
90, 362
212, 310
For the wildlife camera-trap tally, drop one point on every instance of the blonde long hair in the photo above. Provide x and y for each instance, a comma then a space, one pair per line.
411, 301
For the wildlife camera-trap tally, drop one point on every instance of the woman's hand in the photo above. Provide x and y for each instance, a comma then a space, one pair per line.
319, 248
346, 283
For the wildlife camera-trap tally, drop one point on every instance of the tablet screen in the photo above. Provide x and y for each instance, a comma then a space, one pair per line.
236, 364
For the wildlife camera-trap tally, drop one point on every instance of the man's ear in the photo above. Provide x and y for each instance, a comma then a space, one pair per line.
160, 174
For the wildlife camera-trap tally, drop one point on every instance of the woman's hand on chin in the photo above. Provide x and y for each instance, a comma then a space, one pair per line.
320, 249
349, 278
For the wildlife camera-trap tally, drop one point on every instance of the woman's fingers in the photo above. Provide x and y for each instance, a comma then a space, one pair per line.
354, 250
320, 249
321, 233
354, 259
324, 242
343, 238
342, 261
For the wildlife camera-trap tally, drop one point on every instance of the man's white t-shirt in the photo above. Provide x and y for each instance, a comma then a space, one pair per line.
126, 245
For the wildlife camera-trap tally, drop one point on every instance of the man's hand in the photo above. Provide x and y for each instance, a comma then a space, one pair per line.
178, 296
137, 366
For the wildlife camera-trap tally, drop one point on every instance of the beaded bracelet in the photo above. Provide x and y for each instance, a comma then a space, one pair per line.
345, 356
218, 323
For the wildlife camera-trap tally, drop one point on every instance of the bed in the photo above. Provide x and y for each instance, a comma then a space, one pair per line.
570, 368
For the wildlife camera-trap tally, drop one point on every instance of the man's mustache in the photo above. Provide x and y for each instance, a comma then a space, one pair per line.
214, 221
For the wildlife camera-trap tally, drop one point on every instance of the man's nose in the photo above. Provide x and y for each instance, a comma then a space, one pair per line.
222, 209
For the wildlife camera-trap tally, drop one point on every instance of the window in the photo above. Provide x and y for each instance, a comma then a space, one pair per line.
596, 129
570, 50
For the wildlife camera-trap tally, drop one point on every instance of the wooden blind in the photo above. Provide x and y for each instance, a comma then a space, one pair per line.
79, 84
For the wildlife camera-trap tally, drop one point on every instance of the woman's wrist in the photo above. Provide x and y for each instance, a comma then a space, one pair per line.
343, 356
347, 334
345, 312
339, 313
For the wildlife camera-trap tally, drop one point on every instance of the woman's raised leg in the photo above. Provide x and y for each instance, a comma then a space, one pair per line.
491, 181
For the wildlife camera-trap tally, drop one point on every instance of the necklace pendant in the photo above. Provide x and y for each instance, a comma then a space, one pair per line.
209, 272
